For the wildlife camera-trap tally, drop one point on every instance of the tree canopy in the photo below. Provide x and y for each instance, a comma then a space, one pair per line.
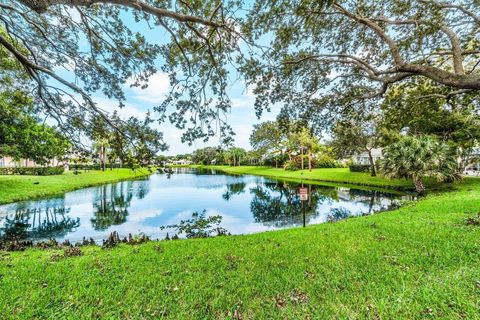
94, 42
21, 134
421, 107
327, 57
321, 58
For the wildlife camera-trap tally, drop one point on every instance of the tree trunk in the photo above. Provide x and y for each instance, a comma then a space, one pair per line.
302, 157
372, 163
103, 158
419, 186
309, 161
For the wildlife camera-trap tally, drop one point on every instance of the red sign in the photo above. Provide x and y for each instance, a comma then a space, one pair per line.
303, 194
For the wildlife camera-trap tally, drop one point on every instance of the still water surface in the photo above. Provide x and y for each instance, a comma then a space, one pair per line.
247, 204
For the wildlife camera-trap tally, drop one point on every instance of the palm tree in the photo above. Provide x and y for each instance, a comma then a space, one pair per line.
101, 146
417, 158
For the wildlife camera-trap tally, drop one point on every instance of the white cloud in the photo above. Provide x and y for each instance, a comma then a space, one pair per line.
129, 110
157, 90
242, 135
243, 102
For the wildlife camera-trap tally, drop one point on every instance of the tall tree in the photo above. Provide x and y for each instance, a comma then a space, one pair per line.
21, 133
207, 155
267, 139
235, 155
308, 143
358, 134
135, 141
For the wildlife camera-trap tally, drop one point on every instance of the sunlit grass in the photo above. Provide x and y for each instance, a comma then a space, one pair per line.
420, 261
16, 188
335, 175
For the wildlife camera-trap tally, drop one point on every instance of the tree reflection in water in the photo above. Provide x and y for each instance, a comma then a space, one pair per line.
337, 214
111, 206
112, 201
376, 200
278, 204
37, 223
234, 189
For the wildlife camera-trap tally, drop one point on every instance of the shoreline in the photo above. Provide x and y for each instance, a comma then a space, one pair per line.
316, 176
62, 184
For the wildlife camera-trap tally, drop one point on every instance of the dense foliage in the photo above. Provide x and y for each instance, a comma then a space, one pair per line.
360, 168
21, 133
417, 158
208, 155
355, 135
325, 58
134, 142
32, 171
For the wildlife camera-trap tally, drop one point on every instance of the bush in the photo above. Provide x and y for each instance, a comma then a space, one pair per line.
291, 165
322, 161
32, 171
360, 168
80, 167
325, 161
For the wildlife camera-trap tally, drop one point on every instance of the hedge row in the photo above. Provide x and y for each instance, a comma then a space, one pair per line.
360, 168
78, 167
32, 171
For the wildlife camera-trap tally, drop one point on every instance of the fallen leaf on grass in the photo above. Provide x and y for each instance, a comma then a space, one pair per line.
298, 296
280, 302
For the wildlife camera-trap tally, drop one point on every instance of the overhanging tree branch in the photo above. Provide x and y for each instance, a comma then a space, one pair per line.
41, 6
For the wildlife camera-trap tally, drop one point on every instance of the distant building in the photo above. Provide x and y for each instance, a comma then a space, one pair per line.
182, 162
364, 159
9, 162
473, 166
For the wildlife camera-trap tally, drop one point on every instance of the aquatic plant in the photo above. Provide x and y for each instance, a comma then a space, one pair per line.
199, 226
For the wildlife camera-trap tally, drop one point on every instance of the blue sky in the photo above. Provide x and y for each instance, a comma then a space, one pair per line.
241, 117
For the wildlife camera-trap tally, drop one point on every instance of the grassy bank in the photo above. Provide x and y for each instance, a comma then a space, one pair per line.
418, 262
334, 175
17, 188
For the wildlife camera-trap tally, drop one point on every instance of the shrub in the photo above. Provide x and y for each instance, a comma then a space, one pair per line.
418, 157
80, 167
324, 161
32, 171
360, 168
291, 165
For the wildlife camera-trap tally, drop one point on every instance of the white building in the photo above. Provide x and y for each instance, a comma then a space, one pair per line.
364, 159
182, 162
473, 166
9, 162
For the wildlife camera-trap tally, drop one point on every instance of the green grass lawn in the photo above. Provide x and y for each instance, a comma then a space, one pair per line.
16, 188
419, 262
335, 175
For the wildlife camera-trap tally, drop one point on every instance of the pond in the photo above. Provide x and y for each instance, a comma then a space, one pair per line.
247, 204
